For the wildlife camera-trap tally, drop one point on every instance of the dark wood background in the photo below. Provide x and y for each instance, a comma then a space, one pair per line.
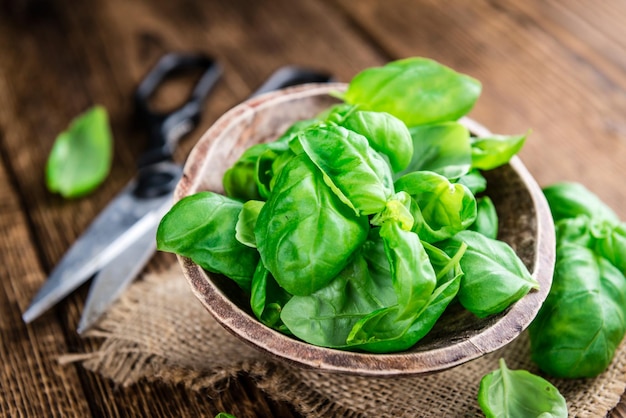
557, 67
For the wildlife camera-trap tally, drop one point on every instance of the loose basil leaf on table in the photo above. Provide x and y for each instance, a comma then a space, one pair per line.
358, 175
568, 200
443, 148
494, 277
80, 158
202, 227
385, 134
443, 208
292, 230
612, 246
418, 91
583, 319
496, 150
486, 221
519, 393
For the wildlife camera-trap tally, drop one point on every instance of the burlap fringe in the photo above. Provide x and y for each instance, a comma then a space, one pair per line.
160, 332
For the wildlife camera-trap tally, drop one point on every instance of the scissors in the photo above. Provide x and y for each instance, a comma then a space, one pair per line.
121, 239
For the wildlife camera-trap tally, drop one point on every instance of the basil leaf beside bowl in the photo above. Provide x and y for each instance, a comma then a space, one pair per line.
81, 156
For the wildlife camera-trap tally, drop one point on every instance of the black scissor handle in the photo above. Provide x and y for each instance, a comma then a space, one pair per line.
166, 128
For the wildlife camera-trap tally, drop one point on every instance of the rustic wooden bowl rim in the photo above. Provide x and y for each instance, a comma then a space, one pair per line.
296, 352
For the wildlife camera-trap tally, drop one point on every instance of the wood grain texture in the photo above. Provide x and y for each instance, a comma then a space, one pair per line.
556, 67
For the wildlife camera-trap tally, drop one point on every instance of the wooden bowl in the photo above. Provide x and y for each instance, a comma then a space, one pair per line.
459, 336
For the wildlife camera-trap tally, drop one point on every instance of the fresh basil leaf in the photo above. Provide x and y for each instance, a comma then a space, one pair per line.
239, 180
413, 281
612, 246
268, 298
494, 151
244, 230
423, 322
494, 277
486, 221
443, 148
359, 175
292, 230
385, 134
519, 393
569, 199
575, 231
326, 316
202, 227
473, 180
418, 91
81, 156
583, 319
443, 208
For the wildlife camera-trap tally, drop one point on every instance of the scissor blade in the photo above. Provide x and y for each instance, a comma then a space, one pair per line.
114, 278
111, 233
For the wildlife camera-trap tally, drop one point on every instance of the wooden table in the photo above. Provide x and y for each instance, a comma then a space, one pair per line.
557, 67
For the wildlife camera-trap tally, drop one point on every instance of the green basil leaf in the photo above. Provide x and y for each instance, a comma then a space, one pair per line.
418, 91
292, 230
474, 180
239, 181
246, 221
443, 208
202, 227
575, 231
486, 221
355, 172
583, 319
81, 156
612, 246
494, 277
568, 200
326, 316
424, 321
385, 134
267, 299
519, 393
496, 150
443, 148
413, 281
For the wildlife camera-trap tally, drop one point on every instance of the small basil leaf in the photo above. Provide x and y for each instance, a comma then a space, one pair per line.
443, 208
81, 156
568, 200
268, 298
612, 246
292, 229
486, 221
418, 91
359, 175
583, 319
474, 181
202, 227
494, 277
519, 393
494, 151
443, 148
244, 230
239, 180
385, 133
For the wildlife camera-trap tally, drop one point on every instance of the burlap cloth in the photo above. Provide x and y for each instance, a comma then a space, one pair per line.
159, 330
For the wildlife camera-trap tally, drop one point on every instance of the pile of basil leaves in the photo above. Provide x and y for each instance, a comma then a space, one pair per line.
357, 228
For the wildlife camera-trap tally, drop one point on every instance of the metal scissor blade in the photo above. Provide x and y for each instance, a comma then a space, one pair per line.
110, 234
114, 278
